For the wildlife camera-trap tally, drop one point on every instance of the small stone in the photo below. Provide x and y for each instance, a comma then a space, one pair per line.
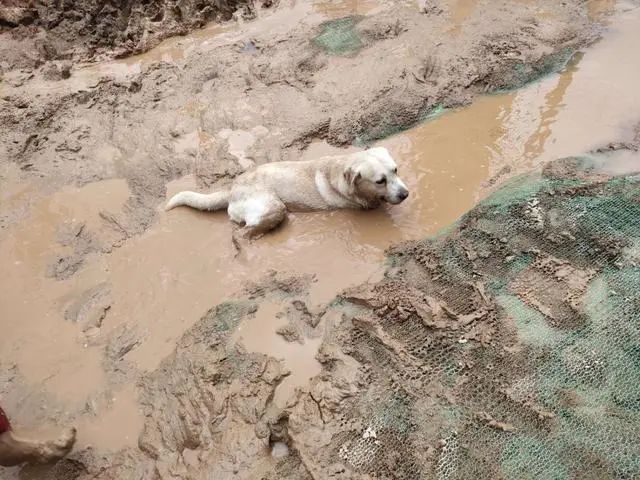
279, 450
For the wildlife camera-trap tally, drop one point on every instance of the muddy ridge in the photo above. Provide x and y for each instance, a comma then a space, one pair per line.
86, 29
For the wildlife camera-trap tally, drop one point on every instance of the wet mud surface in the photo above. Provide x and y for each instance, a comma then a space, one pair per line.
176, 360
90, 28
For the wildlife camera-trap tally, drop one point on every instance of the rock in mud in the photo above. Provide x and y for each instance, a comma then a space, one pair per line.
290, 333
57, 70
14, 13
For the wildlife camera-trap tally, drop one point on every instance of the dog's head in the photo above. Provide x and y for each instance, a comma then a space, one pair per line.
373, 176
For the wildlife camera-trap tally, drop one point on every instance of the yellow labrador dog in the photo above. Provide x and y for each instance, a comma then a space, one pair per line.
260, 198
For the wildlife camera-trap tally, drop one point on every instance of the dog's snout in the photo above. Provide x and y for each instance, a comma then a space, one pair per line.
403, 194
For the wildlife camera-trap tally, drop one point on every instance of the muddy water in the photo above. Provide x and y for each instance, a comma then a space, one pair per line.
460, 11
178, 48
602, 99
599, 8
52, 353
201, 270
252, 334
117, 426
163, 281
31, 302
171, 50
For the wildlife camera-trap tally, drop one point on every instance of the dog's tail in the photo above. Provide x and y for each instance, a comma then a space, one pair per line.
200, 201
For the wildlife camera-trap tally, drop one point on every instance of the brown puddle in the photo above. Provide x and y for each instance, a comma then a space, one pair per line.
34, 315
163, 281
117, 426
598, 8
259, 335
51, 352
461, 11
177, 48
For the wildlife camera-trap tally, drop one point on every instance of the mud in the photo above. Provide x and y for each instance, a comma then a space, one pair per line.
257, 336
89, 28
115, 296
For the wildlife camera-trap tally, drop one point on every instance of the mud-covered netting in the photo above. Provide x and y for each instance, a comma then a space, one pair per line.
339, 37
509, 347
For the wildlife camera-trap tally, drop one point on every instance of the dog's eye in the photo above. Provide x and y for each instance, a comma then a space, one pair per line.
395, 170
383, 180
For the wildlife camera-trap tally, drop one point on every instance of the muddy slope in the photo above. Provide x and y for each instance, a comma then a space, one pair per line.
82, 29
479, 353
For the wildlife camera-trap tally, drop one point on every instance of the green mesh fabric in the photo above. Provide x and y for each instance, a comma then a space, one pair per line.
390, 125
227, 315
509, 347
339, 37
525, 73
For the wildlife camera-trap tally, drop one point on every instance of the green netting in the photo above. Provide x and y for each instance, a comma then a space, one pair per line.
528, 366
339, 37
388, 126
525, 73
531, 324
226, 316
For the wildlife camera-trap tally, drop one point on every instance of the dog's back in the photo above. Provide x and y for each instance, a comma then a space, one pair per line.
294, 183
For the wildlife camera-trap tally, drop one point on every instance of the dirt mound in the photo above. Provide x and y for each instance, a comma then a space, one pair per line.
488, 352
85, 28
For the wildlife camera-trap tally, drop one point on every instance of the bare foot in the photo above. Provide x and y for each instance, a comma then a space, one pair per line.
58, 448
15, 449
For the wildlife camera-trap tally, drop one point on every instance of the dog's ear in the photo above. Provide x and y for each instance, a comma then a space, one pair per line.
352, 175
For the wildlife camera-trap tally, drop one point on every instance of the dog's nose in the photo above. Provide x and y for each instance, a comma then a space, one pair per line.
403, 194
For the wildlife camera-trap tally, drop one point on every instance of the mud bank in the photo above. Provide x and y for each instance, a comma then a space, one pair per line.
44, 31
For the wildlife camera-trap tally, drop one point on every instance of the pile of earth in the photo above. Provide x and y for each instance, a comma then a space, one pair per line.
89, 28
